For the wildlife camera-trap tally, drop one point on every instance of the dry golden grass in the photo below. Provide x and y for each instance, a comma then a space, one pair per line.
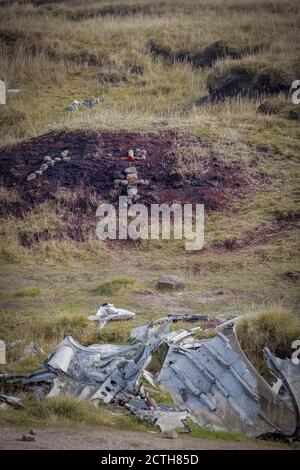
72, 51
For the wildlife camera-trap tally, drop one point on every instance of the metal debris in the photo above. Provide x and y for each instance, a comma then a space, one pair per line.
210, 381
188, 317
78, 105
288, 375
144, 332
108, 312
14, 401
33, 348
213, 384
221, 389
165, 417
99, 372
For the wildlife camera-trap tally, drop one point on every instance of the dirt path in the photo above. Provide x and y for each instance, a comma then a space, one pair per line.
92, 439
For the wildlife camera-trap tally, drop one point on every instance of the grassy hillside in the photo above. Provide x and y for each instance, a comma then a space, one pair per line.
147, 61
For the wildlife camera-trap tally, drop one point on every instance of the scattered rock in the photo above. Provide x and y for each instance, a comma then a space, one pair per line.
139, 153
132, 179
44, 167
31, 177
47, 159
169, 435
132, 191
66, 159
117, 183
144, 182
27, 438
57, 159
130, 170
113, 193
65, 153
39, 172
171, 282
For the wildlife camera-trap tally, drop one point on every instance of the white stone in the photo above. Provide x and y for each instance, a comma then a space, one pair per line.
131, 169
131, 191
170, 281
31, 177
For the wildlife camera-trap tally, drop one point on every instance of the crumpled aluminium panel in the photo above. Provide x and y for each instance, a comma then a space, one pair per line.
289, 377
39, 382
277, 406
14, 401
215, 384
99, 372
211, 380
163, 416
108, 312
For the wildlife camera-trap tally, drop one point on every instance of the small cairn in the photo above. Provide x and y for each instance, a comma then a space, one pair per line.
127, 182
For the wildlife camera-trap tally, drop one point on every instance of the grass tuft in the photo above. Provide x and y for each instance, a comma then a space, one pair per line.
114, 286
28, 292
275, 328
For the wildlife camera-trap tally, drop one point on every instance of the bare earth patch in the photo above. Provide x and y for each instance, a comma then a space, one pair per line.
90, 439
96, 162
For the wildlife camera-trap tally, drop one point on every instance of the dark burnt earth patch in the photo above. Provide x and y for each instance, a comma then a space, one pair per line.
96, 163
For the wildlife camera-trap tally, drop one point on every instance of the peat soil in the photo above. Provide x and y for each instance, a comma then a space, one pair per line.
96, 162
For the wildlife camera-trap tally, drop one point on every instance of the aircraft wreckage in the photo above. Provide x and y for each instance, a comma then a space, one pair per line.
210, 381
